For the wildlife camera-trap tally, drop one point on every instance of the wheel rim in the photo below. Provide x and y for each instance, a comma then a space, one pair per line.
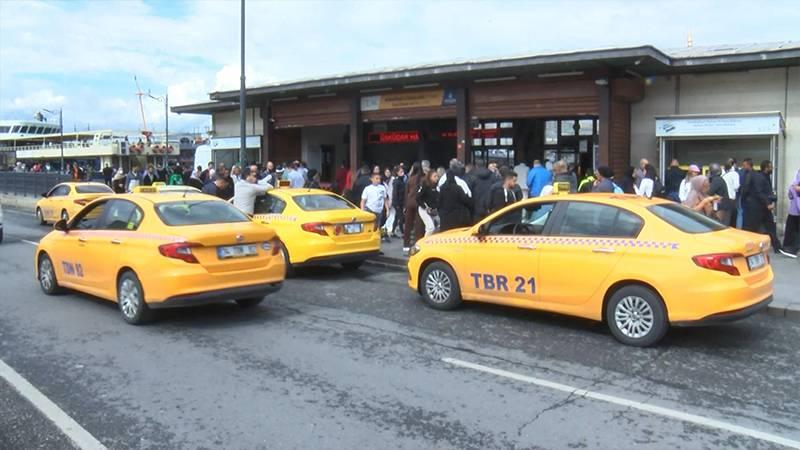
634, 317
39, 214
438, 286
129, 298
46, 275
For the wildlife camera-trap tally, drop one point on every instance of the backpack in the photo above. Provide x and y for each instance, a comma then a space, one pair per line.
617, 189
658, 189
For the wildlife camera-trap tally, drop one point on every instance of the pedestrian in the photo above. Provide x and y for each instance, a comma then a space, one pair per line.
208, 174
719, 188
411, 217
698, 199
227, 192
562, 175
118, 182
398, 200
375, 199
454, 204
791, 232
457, 171
217, 188
426, 167
313, 179
296, 176
639, 172
176, 177
246, 191
132, 180
484, 180
108, 174
235, 173
646, 184
428, 201
538, 177
506, 193
603, 182
149, 176
387, 180
686, 184
731, 178
758, 202
627, 183
362, 181
522, 170
341, 177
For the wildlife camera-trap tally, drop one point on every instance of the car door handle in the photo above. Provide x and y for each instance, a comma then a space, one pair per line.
82, 240
526, 247
116, 241
265, 222
603, 250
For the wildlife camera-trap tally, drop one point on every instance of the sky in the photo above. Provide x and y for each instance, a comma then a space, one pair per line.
83, 55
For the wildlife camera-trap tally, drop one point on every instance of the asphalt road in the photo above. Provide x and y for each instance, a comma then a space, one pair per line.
355, 360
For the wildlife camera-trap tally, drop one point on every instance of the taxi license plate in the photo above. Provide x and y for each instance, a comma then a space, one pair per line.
353, 228
756, 261
237, 251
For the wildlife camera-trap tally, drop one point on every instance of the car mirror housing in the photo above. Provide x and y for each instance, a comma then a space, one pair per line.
44, 194
61, 225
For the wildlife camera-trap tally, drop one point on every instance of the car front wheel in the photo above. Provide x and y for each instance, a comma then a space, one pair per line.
47, 276
40, 217
636, 316
439, 286
130, 299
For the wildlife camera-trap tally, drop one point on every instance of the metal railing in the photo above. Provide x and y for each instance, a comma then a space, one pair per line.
29, 184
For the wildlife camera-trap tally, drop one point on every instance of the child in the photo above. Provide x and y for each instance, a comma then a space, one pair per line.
375, 199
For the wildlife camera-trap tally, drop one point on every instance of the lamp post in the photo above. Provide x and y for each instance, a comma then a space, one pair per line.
60, 129
242, 104
165, 100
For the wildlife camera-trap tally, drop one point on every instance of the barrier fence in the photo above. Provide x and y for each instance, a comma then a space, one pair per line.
29, 184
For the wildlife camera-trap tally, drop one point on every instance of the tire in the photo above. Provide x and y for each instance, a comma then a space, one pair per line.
636, 316
40, 217
130, 299
47, 276
354, 265
249, 302
290, 272
64, 215
439, 286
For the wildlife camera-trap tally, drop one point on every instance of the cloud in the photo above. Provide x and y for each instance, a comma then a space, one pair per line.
34, 101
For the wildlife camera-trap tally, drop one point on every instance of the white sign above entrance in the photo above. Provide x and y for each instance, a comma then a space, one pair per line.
228, 143
762, 124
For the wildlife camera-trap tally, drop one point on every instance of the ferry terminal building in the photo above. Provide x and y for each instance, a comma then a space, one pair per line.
609, 106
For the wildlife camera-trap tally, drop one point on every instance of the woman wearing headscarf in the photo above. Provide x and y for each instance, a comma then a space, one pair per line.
698, 198
791, 237
118, 182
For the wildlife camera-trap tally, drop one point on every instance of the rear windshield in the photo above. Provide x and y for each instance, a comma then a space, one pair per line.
685, 219
199, 212
321, 202
93, 189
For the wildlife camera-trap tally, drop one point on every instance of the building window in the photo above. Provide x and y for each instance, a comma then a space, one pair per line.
568, 128
490, 125
586, 127
506, 141
551, 132
506, 124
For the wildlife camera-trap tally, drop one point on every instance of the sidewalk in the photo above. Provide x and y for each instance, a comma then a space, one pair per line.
785, 303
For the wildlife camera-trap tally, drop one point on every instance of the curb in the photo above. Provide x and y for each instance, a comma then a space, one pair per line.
388, 262
786, 312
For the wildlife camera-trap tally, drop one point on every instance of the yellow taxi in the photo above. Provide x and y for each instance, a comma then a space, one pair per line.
163, 188
64, 200
147, 251
637, 264
318, 227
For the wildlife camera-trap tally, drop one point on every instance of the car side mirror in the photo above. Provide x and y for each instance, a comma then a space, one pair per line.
44, 194
61, 225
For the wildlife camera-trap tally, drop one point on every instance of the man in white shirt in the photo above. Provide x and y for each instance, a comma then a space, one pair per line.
456, 167
246, 190
522, 170
296, 178
375, 199
732, 181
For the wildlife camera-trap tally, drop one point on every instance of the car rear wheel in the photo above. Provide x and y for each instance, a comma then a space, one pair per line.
130, 299
40, 217
439, 286
636, 316
47, 276
249, 302
64, 215
353, 265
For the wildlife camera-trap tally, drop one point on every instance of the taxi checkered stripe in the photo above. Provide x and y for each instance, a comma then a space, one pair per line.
572, 241
282, 217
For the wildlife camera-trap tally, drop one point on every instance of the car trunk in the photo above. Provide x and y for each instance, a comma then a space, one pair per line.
336, 222
209, 239
745, 244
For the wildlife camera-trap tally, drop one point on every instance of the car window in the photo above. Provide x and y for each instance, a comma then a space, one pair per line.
593, 219
321, 202
91, 218
528, 220
268, 204
685, 219
122, 215
93, 189
59, 191
199, 212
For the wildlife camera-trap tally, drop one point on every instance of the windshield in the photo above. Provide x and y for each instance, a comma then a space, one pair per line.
93, 189
321, 202
199, 212
685, 219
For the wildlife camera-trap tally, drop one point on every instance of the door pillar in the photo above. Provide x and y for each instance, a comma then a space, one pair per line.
463, 127
604, 133
356, 127
268, 138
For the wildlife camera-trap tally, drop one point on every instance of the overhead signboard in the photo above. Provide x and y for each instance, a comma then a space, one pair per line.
400, 100
762, 124
228, 143
393, 137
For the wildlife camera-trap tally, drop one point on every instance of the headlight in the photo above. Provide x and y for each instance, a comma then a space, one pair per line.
414, 250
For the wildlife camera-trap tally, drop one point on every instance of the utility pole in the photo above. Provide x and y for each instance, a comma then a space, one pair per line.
61, 128
242, 104
166, 124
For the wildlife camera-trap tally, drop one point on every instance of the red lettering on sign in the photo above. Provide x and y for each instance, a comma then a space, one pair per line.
393, 137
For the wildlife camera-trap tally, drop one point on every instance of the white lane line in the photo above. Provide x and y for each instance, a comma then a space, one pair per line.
29, 242
62, 420
21, 213
671, 413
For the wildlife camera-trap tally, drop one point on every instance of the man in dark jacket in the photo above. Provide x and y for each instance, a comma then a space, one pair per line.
505, 193
672, 180
484, 179
719, 188
399, 199
454, 204
758, 201
358, 186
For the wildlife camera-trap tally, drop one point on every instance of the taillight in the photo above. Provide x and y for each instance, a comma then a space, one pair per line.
315, 227
179, 250
722, 262
81, 201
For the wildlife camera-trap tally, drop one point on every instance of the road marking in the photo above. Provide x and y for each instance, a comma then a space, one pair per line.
21, 213
671, 413
29, 242
79, 436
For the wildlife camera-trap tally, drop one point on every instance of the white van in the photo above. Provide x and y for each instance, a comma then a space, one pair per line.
202, 156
